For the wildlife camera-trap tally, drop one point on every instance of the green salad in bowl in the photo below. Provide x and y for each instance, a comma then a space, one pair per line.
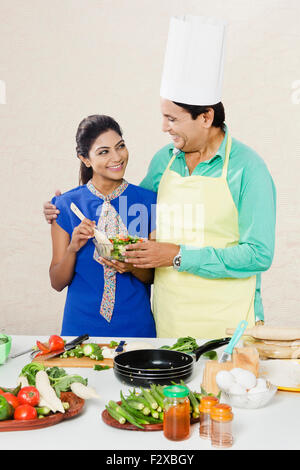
117, 250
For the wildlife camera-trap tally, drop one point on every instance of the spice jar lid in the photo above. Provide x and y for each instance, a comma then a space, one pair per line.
221, 412
176, 391
207, 403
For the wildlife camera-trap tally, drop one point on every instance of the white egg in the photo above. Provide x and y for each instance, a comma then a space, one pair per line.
224, 379
237, 389
261, 383
255, 390
244, 377
261, 386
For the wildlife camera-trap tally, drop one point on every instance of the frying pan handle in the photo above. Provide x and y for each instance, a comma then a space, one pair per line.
210, 345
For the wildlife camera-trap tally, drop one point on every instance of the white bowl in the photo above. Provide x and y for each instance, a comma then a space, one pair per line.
250, 400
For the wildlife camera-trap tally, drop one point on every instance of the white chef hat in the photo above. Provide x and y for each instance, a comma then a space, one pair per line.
194, 60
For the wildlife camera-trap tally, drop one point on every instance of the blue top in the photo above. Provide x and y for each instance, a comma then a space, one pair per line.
132, 316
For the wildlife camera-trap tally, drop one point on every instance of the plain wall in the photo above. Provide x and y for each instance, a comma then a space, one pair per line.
62, 60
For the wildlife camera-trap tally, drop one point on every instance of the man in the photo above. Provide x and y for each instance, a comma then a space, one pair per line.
216, 198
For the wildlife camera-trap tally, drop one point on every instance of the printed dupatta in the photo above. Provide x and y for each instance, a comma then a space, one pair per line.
111, 224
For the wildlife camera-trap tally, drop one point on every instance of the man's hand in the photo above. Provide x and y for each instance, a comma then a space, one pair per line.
151, 254
119, 266
50, 211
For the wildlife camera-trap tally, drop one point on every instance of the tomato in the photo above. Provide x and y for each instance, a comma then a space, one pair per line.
29, 396
24, 412
12, 399
43, 347
56, 342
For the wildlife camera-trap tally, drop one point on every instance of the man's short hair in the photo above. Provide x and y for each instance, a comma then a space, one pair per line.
195, 111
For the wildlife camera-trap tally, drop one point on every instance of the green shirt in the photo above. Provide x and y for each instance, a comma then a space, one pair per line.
254, 194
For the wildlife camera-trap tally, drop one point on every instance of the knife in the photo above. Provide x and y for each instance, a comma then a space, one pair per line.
67, 347
120, 347
12, 356
226, 354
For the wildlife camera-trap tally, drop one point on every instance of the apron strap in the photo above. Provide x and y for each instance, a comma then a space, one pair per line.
227, 153
225, 166
171, 160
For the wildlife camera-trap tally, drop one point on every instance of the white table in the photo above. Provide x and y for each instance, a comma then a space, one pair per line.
274, 427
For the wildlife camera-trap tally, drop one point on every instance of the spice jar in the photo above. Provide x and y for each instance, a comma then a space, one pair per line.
205, 407
176, 424
221, 425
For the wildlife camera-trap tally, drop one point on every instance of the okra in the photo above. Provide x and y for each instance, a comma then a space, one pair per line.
157, 397
152, 402
131, 419
146, 411
136, 404
160, 390
115, 415
193, 401
42, 410
140, 399
137, 415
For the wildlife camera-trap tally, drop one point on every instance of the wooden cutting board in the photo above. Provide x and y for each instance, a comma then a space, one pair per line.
74, 361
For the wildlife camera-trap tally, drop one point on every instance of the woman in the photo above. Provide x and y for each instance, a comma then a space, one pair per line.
104, 298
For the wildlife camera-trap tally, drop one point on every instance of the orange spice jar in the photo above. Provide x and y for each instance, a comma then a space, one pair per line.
221, 425
176, 424
205, 407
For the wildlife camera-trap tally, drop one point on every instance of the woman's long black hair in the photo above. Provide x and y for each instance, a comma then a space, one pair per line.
88, 130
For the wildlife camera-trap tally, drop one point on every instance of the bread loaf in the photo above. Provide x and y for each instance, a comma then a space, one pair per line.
270, 333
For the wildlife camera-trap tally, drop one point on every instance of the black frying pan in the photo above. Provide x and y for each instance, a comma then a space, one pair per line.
142, 381
136, 367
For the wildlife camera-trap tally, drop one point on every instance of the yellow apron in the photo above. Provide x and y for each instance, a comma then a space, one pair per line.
198, 211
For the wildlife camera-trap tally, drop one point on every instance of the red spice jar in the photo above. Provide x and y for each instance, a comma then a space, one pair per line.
205, 407
221, 425
176, 424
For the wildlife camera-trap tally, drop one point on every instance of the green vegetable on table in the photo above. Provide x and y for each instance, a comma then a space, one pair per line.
188, 345
115, 415
122, 412
146, 406
42, 410
30, 371
6, 410
91, 350
61, 381
100, 367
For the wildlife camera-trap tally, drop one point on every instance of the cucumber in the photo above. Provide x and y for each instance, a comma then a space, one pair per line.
88, 349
